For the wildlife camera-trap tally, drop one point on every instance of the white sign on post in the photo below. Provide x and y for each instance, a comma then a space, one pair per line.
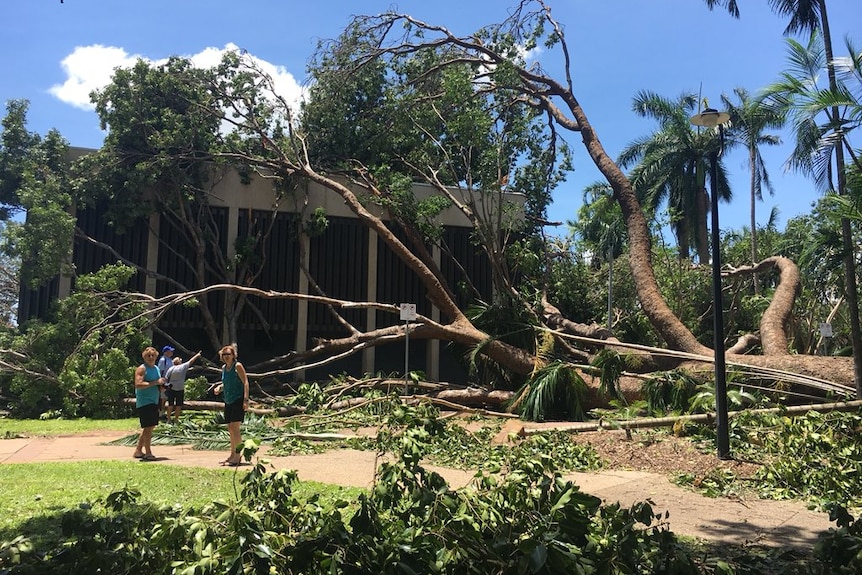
825, 329
408, 312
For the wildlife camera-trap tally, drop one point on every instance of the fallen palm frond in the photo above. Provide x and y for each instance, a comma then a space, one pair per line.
611, 365
552, 389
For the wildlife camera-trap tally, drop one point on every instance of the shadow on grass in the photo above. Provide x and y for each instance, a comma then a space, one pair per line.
45, 529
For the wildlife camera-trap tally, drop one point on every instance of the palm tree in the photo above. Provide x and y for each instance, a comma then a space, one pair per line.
669, 165
600, 224
749, 118
823, 119
811, 16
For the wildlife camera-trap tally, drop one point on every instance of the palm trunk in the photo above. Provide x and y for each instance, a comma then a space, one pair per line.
752, 162
702, 238
852, 293
666, 323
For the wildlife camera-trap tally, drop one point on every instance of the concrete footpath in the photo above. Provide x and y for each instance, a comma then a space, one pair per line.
736, 521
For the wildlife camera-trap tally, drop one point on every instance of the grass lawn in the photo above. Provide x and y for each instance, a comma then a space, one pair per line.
54, 427
33, 495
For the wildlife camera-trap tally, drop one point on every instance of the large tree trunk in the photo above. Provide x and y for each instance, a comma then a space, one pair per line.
671, 329
773, 323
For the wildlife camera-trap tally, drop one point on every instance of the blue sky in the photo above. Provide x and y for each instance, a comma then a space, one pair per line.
56, 53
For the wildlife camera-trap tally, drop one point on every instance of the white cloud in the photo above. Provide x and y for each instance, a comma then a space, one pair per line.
90, 68
529, 55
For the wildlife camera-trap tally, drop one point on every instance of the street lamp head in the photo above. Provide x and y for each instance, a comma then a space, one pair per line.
710, 118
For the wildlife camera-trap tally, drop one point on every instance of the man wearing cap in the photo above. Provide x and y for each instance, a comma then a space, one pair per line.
164, 363
166, 360
175, 387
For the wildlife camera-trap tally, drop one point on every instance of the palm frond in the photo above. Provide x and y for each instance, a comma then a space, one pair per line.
611, 366
668, 391
556, 390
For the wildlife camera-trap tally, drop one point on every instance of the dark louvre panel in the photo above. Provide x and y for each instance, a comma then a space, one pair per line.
280, 272
131, 245
34, 303
339, 264
176, 256
469, 273
397, 284
90, 256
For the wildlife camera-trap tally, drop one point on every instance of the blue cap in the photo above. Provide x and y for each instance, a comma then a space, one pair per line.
167, 348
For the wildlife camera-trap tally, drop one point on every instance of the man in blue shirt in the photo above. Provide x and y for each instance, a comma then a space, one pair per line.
166, 360
164, 363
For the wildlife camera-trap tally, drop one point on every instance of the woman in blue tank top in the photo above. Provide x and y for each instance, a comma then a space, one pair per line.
148, 382
234, 389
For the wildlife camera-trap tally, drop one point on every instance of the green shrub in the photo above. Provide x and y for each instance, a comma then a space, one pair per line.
94, 386
196, 388
817, 456
840, 550
529, 520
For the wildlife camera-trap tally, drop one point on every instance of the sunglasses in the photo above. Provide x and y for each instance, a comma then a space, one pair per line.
227, 354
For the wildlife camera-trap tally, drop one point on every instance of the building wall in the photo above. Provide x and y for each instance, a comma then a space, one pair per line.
348, 261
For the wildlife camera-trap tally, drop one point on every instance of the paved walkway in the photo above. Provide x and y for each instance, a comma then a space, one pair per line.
774, 523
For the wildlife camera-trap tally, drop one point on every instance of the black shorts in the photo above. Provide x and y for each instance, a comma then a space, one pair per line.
175, 397
148, 415
234, 411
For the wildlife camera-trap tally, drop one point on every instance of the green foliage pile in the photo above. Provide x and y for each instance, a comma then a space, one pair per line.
452, 445
206, 431
518, 516
816, 457
528, 521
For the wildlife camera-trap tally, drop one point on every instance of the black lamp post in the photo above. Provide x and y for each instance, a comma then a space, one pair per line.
710, 118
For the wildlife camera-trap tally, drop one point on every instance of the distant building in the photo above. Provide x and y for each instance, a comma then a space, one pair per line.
347, 261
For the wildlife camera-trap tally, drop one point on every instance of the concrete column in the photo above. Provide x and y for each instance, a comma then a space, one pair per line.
232, 232
152, 258
152, 253
64, 288
368, 355
301, 343
432, 358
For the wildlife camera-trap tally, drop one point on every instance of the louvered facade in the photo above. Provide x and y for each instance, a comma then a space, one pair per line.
347, 261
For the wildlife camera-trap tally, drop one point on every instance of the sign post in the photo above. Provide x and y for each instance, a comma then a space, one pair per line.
825, 334
408, 314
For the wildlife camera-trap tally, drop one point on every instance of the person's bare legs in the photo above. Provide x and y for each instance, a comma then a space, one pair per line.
233, 428
144, 447
170, 413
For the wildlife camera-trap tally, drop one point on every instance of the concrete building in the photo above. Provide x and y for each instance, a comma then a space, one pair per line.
347, 261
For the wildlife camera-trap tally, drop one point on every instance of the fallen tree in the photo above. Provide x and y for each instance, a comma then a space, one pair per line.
441, 102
